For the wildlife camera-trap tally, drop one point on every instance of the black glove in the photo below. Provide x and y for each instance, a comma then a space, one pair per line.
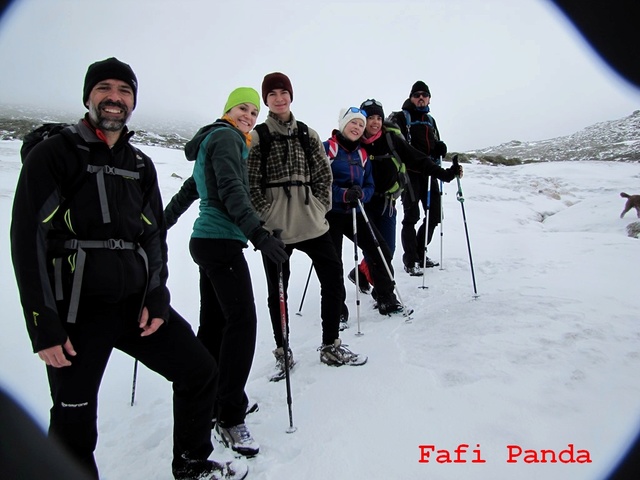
271, 247
456, 168
353, 194
439, 150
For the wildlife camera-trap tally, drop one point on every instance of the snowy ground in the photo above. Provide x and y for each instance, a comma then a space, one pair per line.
546, 357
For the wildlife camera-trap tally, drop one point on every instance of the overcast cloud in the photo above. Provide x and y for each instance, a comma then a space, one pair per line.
498, 70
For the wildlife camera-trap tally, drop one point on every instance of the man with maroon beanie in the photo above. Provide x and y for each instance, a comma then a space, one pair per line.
291, 191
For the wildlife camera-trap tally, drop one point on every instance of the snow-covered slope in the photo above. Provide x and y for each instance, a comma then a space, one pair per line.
545, 358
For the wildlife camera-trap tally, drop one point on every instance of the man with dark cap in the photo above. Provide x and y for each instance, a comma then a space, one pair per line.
290, 186
388, 152
88, 244
420, 130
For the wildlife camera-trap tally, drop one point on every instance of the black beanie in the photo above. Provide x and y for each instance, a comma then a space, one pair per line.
276, 80
372, 107
420, 86
105, 69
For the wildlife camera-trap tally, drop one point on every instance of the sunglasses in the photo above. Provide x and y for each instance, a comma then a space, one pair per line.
420, 94
355, 110
368, 103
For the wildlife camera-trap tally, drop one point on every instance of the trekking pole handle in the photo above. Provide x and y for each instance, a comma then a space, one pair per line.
459, 195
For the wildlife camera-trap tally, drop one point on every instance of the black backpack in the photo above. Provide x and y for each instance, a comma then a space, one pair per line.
41, 133
267, 138
75, 143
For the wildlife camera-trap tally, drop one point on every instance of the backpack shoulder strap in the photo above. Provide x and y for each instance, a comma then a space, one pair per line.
303, 136
264, 142
333, 149
81, 151
363, 156
407, 117
392, 148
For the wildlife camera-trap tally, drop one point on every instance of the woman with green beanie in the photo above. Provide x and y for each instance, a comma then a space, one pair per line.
220, 233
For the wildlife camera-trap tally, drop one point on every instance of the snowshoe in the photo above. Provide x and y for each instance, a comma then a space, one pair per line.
187, 469
338, 354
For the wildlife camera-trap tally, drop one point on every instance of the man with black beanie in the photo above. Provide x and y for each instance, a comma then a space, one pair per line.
88, 244
420, 130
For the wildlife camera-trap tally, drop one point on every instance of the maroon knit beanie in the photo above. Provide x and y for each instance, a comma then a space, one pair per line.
276, 80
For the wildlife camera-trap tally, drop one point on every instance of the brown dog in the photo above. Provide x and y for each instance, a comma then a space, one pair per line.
633, 201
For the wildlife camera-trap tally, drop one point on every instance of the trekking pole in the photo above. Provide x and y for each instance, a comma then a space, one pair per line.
135, 377
441, 216
285, 337
384, 260
355, 259
460, 198
304, 293
426, 232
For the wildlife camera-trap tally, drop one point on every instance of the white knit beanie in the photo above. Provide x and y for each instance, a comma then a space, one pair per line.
348, 114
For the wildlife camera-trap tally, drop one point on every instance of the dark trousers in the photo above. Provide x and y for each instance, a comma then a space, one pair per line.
383, 216
227, 320
328, 267
172, 351
341, 224
426, 194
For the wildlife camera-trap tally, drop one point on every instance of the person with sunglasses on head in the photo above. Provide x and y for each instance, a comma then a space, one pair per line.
290, 186
353, 182
226, 221
387, 152
421, 132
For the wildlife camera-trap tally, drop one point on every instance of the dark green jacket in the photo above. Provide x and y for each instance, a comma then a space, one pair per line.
220, 182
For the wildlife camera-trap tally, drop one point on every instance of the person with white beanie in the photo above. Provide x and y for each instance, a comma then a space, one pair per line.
353, 182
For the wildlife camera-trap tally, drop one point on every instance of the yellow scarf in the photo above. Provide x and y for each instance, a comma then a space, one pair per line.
247, 136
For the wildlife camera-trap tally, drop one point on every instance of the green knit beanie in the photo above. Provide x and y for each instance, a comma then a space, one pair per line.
242, 95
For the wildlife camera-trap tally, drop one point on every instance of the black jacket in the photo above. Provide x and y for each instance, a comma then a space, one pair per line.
55, 169
422, 136
385, 173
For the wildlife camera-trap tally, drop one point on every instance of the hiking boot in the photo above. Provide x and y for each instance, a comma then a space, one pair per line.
187, 469
389, 306
413, 270
429, 263
337, 355
279, 372
251, 408
344, 322
363, 283
344, 317
239, 439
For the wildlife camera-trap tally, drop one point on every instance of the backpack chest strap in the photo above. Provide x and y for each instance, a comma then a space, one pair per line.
100, 172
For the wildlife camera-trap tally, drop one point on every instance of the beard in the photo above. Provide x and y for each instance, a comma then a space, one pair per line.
108, 124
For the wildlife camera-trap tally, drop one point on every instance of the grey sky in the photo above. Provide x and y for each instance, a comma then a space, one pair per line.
498, 70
